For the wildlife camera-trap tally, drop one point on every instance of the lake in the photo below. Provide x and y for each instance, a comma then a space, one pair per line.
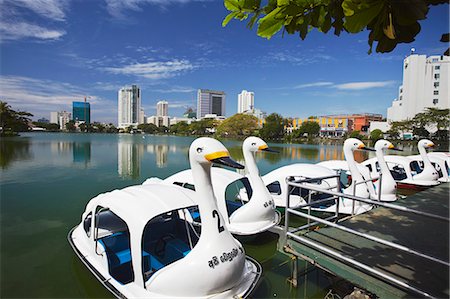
48, 178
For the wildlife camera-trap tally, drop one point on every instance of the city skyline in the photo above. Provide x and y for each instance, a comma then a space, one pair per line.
52, 58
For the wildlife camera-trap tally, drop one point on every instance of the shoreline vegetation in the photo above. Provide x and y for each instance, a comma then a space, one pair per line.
239, 126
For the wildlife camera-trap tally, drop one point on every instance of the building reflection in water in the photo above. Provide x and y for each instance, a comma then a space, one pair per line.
81, 153
61, 147
161, 155
129, 157
331, 153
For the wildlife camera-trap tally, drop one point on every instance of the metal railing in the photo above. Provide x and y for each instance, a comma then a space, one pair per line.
306, 184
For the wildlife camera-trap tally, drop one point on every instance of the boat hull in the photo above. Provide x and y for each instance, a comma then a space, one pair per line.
242, 290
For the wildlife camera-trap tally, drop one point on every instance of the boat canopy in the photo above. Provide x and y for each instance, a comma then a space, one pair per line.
142, 203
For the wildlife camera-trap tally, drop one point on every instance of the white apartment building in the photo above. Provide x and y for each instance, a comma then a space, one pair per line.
162, 108
246, 101
61, 118
159, 121
129, 104
425, 84
210, 102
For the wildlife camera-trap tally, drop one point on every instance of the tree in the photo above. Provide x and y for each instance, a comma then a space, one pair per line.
13, 121
70, 126
311, 128
203, 127
273, 128
421, 132
389, 22
356, 134
181, 128
376, 134
238, 126
148, 128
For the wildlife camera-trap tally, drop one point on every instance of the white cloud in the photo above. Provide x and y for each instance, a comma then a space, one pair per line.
51, 9
15, 15
40, 97
175, 89
14, 31
363, 85
315, 84
116, 8
154, 69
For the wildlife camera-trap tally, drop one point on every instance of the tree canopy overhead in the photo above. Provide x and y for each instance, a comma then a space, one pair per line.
389, 22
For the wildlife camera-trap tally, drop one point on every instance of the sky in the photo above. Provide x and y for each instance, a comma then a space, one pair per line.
54, 52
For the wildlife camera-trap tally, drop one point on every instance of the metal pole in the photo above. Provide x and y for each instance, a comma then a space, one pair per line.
338, 199
372, 238
375, 202
342, 257
379, 186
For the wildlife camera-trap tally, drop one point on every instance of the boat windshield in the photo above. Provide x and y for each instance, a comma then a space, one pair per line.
166, 239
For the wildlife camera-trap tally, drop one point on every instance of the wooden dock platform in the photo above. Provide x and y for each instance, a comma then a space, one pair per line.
422, 234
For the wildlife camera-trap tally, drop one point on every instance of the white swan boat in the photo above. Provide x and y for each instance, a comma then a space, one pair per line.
407, 172
256, 213
438, 163
378, 165
275, 181
137, 243
358, 172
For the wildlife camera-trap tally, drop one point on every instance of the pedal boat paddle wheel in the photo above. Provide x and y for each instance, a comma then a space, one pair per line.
137, 243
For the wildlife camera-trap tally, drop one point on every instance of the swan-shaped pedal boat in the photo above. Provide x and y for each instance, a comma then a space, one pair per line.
378, 165
439, 160
358, 172
256, 211
275, 182
407, 172
137, 243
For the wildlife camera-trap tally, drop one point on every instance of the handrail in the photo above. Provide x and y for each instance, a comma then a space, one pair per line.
303, 184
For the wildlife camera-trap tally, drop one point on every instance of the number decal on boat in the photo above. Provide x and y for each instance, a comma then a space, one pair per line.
219, 227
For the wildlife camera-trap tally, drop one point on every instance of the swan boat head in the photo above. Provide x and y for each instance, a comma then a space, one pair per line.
428, 173
259, 213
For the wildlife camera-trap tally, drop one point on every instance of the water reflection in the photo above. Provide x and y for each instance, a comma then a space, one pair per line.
161, 151
81, 153
14, 150
61, 147
297, 153
129, 156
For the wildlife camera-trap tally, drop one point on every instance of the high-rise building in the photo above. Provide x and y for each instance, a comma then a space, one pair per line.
162, 108
246, 101
425, 84
210, 102
61, 118
129, 104
81, 112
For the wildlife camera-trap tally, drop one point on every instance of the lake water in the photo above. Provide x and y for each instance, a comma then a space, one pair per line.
48, 178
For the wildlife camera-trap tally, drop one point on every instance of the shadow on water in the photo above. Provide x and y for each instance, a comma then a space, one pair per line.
14, 149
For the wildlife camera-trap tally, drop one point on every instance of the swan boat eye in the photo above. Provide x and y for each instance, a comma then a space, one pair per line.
199, 149
253, 144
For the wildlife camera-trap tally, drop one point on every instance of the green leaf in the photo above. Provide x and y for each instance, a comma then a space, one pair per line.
228, 18
232, 5
359, 16
282, 2
326, 24
303, 29
271, 23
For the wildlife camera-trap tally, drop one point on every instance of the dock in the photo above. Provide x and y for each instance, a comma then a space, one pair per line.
416, 233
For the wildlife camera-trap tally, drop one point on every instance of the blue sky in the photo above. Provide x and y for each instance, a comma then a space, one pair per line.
54, 52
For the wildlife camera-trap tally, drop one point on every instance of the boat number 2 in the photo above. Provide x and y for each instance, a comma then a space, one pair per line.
219, 227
